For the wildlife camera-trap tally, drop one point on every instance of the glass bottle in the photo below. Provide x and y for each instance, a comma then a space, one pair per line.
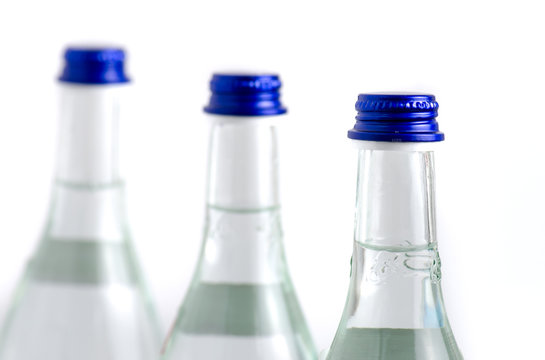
241, 303
394, 309
82, 295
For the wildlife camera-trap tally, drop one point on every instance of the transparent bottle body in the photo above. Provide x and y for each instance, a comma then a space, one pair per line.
82, 295
241, 303
395, 308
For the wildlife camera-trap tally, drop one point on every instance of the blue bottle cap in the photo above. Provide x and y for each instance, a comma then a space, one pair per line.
396, 118
245, 95
94, 65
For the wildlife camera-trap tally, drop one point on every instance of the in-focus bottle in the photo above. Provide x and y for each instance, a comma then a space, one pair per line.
394, 309
82, 295
241, 303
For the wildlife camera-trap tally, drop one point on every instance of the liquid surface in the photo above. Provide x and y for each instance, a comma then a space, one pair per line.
83, 262
236, 309
394, 344
239, 321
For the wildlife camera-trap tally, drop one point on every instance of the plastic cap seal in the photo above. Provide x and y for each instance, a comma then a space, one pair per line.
245, 95
93, 65
396, 118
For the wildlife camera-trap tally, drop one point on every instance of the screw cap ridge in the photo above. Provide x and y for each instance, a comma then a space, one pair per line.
94, 65
245, 95
396, 118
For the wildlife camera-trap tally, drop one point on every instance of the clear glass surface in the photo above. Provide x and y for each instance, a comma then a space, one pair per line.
395, 308
241, 303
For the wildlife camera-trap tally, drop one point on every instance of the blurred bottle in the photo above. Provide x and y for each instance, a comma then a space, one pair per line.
82, 295
241, 303
394, 309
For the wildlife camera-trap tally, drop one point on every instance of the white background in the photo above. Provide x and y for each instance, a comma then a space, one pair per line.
483, 60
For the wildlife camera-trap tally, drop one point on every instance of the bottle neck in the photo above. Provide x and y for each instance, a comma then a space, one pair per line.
243, 172
87, 200
395, 204
243, 234
88, 138
396, 270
